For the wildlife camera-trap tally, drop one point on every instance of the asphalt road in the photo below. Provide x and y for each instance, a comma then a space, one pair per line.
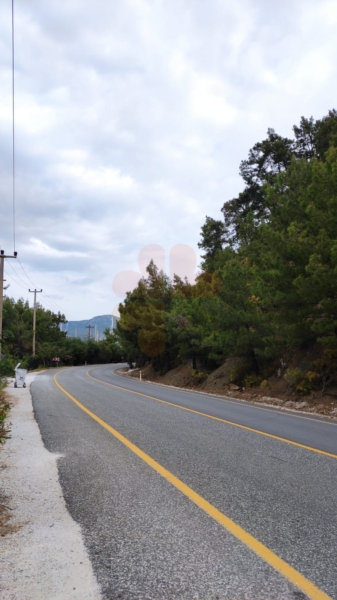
149, 540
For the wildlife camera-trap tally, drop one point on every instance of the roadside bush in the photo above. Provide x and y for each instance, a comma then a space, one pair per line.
240, 373
252, 380
303, 383
309, 383
293, 376
4, 407
199, 376
7, 367
326, 369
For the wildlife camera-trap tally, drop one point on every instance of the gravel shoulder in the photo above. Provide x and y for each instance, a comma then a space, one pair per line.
42, 553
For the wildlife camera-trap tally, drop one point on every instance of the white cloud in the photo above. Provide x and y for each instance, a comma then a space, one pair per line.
132, 120
208, 101
100, 179
40, 248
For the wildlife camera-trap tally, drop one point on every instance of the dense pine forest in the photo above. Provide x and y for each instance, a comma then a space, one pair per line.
268, 283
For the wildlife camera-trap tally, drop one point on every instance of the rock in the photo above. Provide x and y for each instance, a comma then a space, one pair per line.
233, 388
289, 404
269, 399
333, 411
302, 405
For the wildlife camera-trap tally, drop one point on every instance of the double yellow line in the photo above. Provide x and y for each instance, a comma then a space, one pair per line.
260, 549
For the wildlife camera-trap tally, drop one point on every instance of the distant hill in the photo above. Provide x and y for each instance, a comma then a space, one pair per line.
78, 328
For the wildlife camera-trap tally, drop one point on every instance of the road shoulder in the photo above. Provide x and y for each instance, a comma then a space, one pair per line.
43, 554
263, 401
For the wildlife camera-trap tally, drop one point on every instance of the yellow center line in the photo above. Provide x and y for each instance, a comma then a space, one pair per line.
240, 402
301, 582
196, 412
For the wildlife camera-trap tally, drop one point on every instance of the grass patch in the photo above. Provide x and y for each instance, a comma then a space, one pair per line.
4, 408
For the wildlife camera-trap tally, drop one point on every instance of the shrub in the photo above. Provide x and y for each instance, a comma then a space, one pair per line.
293, 376
239, 373
309, 383
326, 369
304, 383
7, 367
252, 380
199, 376
4, 407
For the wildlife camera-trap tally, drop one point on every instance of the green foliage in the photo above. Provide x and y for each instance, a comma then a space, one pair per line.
309, 383
4, 408
199, 376
240, 373
252, 380
269, 281
303, 382
326, 369
213, 239
294, 376
7, 367
50, 340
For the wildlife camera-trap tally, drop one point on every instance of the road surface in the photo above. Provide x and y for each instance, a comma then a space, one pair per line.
187, 496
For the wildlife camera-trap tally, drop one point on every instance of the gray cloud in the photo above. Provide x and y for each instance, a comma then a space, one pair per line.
132, 119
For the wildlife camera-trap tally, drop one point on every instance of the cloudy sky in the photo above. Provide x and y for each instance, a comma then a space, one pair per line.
132, 117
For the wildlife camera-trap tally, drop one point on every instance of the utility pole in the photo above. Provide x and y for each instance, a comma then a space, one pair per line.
34, 317
2, 270
89, 328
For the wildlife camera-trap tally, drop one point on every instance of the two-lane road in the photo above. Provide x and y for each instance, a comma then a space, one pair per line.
183, 495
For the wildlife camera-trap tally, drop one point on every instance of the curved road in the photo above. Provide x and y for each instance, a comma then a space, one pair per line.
186, 496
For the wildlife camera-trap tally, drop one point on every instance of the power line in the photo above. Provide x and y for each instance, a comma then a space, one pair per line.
44, 294
25, 287
17, 274
25, 284
47, 298
17, 283
50, 307
29, 279
2, 277
13, 131
51, 301
34, 316
55, 304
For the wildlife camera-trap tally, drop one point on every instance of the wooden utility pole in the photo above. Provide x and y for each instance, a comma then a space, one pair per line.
2, 270
89, 328
34, 317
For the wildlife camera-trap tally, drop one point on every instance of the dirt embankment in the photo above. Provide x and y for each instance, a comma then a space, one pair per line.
276, 390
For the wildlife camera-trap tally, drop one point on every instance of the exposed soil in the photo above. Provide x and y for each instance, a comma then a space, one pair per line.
5, 516
275, 390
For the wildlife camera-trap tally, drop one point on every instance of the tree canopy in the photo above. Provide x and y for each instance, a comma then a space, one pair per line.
50, 340
268, 284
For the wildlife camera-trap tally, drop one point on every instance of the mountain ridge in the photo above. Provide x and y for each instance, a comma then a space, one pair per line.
99, 323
